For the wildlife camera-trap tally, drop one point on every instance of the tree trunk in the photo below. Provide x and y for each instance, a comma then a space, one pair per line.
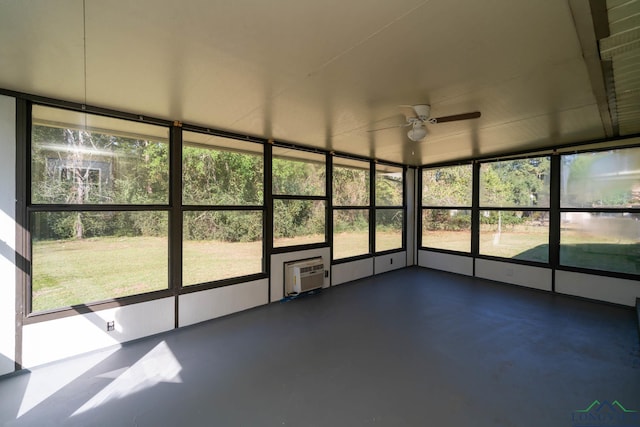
79, 228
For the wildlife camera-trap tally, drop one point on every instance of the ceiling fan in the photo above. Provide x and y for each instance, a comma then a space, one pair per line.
419, 115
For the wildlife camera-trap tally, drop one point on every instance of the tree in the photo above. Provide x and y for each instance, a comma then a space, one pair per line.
350, 186
77, 166
447, 186
217, 177
389, 189
518, 183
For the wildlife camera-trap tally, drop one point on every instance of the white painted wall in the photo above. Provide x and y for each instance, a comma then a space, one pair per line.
350, 271
516, 274
277, 268
7, 233
45, 342
446, 262
389, 262
200, 306
610, 289
410, 191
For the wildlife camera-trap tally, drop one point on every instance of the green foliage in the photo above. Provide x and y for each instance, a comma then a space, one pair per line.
389, 219
79, 167
298, 177
389, 189
351, 220
514, 183
505, 218
445, 220
216, 177
293, 218
228, 226
350, 186
67, 225
447, 186
151, 224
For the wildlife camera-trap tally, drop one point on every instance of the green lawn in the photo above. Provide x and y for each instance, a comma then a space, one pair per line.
71, 272
348, 244
578, 249
207, 261
450, 240
513, 242
388, 240
523, 243
354, 243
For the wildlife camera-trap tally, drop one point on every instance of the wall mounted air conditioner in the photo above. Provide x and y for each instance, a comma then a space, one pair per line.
304, 276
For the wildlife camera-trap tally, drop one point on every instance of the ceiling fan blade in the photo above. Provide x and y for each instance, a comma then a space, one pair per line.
456, 117
390, 127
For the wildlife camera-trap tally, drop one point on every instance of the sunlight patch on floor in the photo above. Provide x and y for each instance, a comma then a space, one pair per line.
157, 366
42, 384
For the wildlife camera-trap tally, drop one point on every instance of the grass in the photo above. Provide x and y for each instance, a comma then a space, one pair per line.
388, 240
523, 243
578, 249
72, 272
298, 240
348, 244
513, 242
207, 261
451, 240
354, 243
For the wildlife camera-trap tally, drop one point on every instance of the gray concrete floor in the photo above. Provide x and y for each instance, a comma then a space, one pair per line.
409, 348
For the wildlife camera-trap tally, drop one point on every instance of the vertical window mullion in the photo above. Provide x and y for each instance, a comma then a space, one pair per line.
23, 238
475, 211
329, 203
554, 215
175, 215
372, 210
419, 209
268, 208
404, 208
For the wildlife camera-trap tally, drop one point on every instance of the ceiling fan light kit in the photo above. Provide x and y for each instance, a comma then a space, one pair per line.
417, 132
419, 115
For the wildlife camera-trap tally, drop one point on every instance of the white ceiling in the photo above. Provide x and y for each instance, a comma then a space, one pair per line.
317, 73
